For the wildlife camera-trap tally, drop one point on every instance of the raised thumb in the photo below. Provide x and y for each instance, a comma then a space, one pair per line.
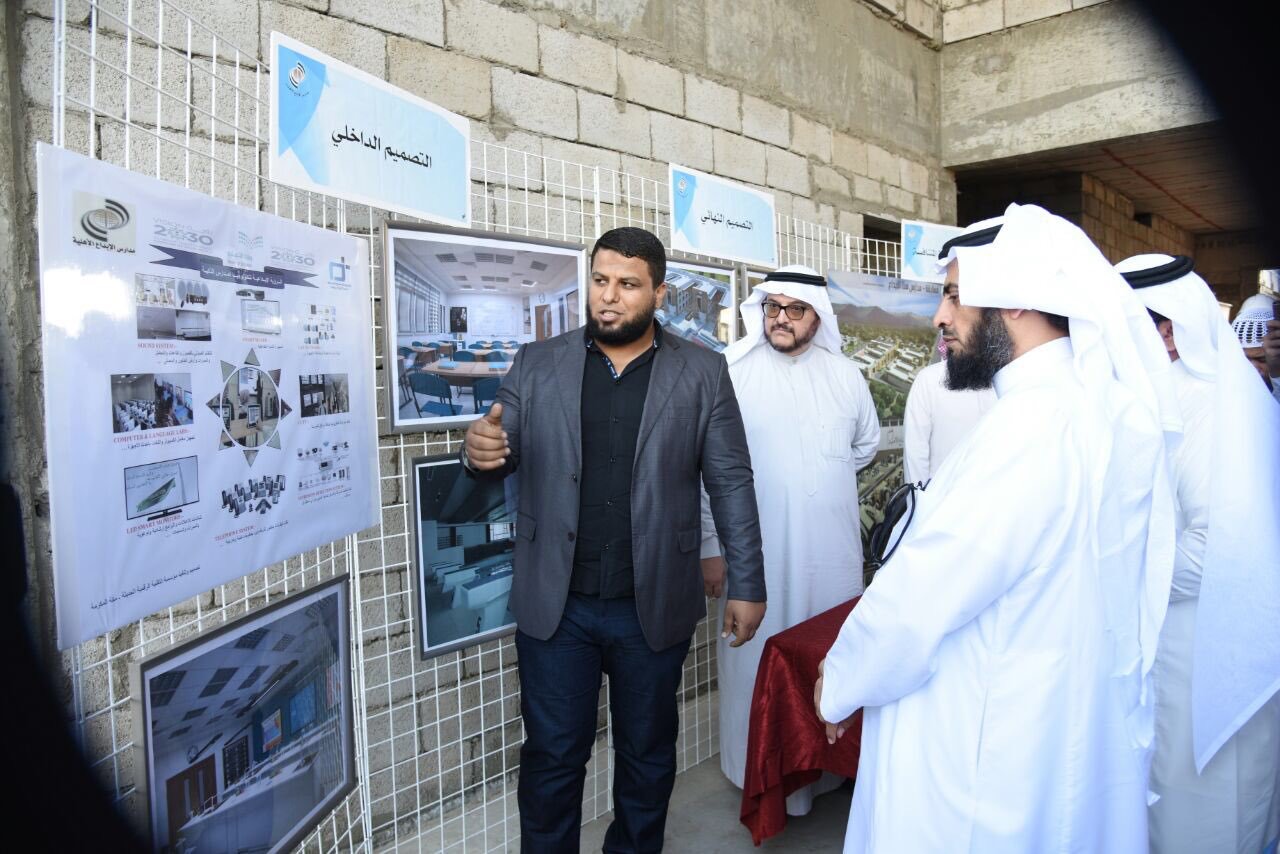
494, 415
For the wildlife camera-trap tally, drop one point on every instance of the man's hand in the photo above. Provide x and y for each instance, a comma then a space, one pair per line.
713, 576
741, 619
486, 441
1271, 347
834, 731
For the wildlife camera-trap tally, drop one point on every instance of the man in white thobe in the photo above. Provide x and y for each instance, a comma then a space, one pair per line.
936, 419
1002, 655
1251, 329
1216, 767
811, 425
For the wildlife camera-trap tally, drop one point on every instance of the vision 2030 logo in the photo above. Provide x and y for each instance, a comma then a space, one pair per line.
103, 223
246, 245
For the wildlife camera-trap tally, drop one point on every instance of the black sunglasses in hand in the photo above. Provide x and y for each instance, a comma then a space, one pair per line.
795, 310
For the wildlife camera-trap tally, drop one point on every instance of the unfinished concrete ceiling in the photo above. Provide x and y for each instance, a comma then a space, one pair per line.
1187, 175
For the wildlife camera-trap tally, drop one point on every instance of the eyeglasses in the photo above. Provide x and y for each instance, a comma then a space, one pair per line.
795, 310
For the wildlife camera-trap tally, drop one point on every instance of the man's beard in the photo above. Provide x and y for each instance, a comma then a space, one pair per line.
987, 350
797, 342
624, 333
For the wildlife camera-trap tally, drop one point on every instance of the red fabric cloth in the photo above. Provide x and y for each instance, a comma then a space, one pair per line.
787, 744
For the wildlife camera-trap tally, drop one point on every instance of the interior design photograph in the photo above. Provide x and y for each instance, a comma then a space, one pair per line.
465, 537
700, 304
150, 401
247, 730
250, 407
461, 304
323, 394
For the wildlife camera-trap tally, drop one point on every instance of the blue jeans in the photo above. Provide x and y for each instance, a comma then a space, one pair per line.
559, 690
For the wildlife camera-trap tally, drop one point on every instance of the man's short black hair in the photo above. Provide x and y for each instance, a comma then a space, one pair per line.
636, 243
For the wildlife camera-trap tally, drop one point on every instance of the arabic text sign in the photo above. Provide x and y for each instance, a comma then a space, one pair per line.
722, 219
921, 242
209, 390
340, 131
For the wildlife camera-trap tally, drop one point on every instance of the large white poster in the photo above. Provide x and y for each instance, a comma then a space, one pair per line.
208, 390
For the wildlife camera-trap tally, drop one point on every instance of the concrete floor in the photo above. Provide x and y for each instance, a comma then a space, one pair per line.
704, 819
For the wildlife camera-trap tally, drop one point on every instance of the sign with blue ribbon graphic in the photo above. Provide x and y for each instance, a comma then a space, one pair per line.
722, 219
340, 131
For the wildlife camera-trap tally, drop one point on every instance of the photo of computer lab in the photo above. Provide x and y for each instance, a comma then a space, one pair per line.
150, 401
461, 306
250, 407
323, 394
465, 538
248, 732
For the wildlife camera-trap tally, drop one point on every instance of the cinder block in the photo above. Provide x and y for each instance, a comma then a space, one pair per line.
765, 121
900, 199
882, 165
788, 171
535, 104
572, 152
710, 103
828, 180
681, 141
448, 78
490, 32
418, 19
810, 138
613, 124
578, 60
923, 17
975, 19
651, 83
738, 157
914, 177
868, 190
363, 47
849, 153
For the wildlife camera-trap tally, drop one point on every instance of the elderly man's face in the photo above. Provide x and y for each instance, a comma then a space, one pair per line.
785, 334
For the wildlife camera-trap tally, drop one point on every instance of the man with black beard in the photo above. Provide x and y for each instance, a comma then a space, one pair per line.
612, 428
1002, 655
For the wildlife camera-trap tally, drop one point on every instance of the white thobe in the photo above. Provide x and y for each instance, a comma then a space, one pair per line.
1233, 805
811, 424
936, 419
983, 653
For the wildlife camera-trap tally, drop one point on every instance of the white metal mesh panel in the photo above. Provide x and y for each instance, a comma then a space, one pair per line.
142, 84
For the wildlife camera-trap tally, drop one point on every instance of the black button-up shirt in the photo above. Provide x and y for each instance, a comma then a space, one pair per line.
612, 406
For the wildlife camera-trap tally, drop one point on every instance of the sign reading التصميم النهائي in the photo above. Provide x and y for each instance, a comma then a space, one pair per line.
722, 219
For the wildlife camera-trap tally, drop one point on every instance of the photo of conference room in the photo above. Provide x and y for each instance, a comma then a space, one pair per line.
248, 731
461, 304
465, 537
150, 401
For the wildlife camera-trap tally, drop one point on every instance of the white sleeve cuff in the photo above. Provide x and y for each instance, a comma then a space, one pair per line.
710, 547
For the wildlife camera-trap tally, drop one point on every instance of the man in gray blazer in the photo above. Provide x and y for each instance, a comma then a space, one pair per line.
612, 429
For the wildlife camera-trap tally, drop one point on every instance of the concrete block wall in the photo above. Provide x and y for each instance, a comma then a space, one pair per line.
965, 19
1106, 215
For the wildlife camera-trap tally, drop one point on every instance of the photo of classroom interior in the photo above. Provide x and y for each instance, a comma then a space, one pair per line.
247, 737
501, 297
250, 407
150, 401
466, 534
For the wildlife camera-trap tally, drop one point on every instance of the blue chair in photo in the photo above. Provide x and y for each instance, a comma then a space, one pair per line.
497, 356
406, 367
464, 356
431, 385
485, 389
514, 345
415, 343
476, 345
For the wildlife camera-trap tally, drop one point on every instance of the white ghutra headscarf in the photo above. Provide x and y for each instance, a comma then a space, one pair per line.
797, 282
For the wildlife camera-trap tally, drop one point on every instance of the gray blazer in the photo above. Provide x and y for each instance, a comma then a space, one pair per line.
691, 431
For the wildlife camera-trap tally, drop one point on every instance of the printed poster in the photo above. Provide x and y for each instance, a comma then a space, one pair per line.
208, 390
340, 131
921, 243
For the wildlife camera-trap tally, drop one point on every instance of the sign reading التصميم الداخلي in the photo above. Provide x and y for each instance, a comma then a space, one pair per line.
340, 131
722, 219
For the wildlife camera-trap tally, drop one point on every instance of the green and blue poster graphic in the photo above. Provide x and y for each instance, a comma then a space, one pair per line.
339, 131
722, 219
